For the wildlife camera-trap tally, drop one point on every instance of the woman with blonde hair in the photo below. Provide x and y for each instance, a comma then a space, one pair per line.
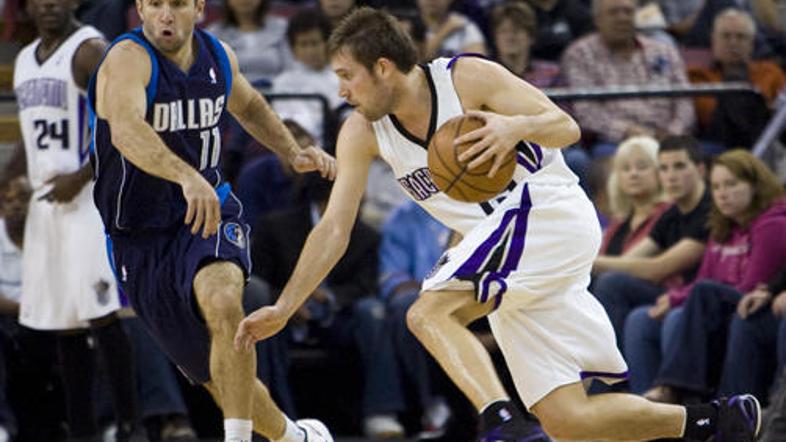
635, 196
747, 247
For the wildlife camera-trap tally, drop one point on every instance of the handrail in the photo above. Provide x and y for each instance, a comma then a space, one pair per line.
646, 91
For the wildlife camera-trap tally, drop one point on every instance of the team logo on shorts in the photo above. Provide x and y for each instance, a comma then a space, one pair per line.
102, 292
235, 234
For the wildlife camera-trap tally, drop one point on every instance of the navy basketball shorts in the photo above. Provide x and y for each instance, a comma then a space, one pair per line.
156, 272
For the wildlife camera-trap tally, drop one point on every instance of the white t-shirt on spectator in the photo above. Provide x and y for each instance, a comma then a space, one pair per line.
301, 79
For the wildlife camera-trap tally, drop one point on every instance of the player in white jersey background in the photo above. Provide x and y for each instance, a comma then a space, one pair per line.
67, 285
524, 260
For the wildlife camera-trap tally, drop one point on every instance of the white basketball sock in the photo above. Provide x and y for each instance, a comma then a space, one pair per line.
292, 433
237, 430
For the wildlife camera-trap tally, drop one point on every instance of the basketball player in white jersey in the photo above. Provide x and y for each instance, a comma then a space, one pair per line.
525, 257
67, 285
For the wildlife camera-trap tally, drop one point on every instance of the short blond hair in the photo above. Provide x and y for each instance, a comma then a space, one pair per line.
620, 204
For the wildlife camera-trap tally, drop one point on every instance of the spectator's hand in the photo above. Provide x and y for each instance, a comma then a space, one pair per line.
779, 305
661, 307
753, 301
637, 129
452, 24
263, 323
65, 187
495, 141
204, 209
313, 159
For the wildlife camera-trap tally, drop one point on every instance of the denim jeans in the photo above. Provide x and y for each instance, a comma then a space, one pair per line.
693, 359
645, 345
750, 362
620, 293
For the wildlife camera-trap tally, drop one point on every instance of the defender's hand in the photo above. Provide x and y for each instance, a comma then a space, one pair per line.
64, 187
204, 209
496, 141
263, 323
314, 159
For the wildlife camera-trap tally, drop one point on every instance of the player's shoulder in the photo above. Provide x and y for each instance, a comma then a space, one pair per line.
358, 132
476, 77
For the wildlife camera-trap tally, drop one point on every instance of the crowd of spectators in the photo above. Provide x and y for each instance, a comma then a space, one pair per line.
693, 262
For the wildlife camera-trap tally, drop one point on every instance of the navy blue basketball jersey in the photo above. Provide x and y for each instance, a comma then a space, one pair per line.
186, 110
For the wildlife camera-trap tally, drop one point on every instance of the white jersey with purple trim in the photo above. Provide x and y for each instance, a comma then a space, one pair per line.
66, 278
407, 156
529, 252
52, 111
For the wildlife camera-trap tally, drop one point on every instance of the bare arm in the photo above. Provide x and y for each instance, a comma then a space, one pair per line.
258, 119
685, 254
121, 100
513, 110
327, 242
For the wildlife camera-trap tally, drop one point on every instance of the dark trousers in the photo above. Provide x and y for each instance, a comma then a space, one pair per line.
692, 361
620, 293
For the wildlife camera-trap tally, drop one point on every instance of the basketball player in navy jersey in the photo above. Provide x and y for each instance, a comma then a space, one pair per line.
180, 244
525, 257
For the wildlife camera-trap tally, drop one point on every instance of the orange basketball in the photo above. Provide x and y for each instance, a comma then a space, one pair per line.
451, 175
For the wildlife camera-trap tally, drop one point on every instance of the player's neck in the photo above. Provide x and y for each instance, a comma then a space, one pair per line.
51, 40
413, 103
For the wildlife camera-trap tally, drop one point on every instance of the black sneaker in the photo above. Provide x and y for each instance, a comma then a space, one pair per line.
739, 419
532, 432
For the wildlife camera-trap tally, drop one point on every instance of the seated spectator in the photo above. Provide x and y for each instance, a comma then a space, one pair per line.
671, 253
615, 56
335, 10
513, 27
267, 184
345, 312
732, 50
412, 241
449, 33
747, 247
258, 39
307, 34
635, 195
560, 22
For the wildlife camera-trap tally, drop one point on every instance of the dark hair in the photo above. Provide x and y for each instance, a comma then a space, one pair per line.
230, 19
370, 34
519, 13
305, 21
766, 190
685, 143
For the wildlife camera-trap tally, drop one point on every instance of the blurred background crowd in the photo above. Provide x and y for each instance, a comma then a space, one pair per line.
688, 187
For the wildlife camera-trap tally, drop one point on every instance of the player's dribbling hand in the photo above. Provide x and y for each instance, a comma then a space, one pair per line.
65, 187
314, 159
263, 323
204, 209
496, 140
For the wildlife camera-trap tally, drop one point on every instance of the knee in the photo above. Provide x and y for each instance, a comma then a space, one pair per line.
419, 317
564, 424
222, 306
638, 322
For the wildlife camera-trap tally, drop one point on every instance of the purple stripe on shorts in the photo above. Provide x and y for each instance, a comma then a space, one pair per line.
603, 374
538, 153
472, 265
523, 161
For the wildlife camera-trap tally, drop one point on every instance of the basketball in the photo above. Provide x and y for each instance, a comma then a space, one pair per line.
451, 175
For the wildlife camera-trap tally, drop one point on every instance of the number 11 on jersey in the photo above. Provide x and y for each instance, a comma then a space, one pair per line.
206, 154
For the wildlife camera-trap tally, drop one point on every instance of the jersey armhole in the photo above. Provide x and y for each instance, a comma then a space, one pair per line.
223, 61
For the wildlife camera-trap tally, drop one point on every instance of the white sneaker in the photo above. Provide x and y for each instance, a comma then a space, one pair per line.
315, 430
383, 426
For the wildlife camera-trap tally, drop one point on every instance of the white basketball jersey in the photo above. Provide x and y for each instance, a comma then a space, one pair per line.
408, 157
52, 109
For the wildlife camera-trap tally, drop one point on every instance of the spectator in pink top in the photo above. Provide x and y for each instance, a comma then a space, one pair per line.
747, 247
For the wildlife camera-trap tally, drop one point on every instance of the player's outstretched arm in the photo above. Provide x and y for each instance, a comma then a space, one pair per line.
513, 111
257, 118
122, 101
328, 241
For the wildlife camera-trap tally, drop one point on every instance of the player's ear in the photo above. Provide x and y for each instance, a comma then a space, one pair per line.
200, 8
139, 8
383, 67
